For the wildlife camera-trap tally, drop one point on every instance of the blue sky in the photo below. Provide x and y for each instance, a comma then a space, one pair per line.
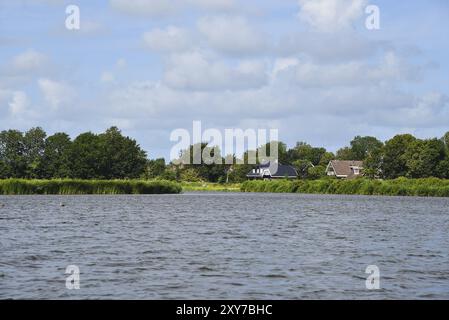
309, 68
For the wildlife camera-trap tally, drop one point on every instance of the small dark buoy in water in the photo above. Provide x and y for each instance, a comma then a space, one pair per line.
62, 204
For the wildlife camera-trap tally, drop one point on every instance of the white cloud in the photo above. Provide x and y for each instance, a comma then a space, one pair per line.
331, 15
19, 104
170, 39
29, 61
232, 35
145, 7
193, 71
389, 70
218, 5
331, 47
155, 8
56, 93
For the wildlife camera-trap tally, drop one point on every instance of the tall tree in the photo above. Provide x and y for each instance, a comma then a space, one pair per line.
395, 162
86, 157
345, 153
361, 147
121, 157
155, 168
34, 145
446, 140
56, 158
304, 151
423, 158
13, 162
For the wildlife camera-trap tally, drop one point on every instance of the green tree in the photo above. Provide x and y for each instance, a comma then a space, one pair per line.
266, 150
302, 167
361, 147
423, 158
446, 140
211, 169
85, 156
155, 168
345, 153
394, 163
120, 157
372, 165
13, 162
34, 145
326, 158
304, 151
316, 172
56, 158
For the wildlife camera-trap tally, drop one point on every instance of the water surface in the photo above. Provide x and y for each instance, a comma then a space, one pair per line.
224, 246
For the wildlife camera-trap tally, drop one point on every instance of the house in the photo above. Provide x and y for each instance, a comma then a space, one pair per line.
272, 170
346, 169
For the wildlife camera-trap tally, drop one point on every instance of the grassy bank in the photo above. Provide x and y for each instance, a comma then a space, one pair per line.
68, 186
208, 186
430, 187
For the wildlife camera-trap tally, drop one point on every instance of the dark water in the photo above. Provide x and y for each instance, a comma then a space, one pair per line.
224, 246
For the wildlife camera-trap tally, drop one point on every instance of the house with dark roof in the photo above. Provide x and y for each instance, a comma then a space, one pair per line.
272, 170
345, 169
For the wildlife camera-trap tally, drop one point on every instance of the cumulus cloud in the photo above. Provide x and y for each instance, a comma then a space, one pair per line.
157, 8
331, 15
388, 71
331, 48
217, 5
194, 71
56, 93
170, 39
232, 35
19, 103
145, 7
29, 61
23, 67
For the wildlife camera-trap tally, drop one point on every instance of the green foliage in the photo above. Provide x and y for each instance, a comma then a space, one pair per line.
105, 156
395, 156
362, 147
190, 175
155, 168
423, 158
55, 161
305, 152
66, 187
430, 187
316, 172
12, 154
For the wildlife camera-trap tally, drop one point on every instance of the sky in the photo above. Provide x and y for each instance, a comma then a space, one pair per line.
309, 68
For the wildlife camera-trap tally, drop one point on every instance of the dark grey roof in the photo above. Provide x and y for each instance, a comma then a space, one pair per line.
282, 170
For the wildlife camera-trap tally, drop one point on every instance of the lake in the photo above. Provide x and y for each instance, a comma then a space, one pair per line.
224, 246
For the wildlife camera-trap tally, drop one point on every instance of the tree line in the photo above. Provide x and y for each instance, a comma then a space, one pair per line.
110, 155
33, 155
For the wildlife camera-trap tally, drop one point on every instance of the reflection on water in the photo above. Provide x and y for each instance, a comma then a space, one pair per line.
224, 246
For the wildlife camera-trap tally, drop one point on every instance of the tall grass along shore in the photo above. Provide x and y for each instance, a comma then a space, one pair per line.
429, 187
78, 187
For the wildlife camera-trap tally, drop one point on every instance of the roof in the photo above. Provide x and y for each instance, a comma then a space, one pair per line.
280, 170
343, 167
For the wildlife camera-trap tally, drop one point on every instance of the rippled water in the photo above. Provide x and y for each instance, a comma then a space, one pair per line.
224, 246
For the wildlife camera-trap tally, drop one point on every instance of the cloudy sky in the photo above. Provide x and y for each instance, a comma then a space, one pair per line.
307, 67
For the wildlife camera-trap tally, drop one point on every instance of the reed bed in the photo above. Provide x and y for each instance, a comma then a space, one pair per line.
79, 187
429, 187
